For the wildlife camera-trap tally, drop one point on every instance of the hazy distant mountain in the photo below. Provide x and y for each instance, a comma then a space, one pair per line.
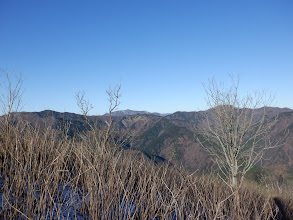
128, 112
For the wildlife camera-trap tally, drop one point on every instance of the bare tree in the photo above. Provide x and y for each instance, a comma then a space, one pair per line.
10, 97
114, 95
11, 92
101, 135
236, 131
84, 105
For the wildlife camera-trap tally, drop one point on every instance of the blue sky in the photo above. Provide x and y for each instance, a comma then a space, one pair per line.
161, 51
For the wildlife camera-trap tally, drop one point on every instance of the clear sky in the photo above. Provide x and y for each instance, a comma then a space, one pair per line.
160, 50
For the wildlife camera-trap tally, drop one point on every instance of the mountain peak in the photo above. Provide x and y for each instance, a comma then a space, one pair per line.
128, 112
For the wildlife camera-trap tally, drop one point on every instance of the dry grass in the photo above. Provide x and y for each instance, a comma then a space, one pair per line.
47, 175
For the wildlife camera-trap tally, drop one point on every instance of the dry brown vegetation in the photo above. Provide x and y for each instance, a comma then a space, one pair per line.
47, 175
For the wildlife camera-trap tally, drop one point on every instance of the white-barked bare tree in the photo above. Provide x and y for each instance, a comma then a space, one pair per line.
236, 130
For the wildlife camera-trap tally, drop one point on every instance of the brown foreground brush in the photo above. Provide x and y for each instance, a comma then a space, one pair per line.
47, 175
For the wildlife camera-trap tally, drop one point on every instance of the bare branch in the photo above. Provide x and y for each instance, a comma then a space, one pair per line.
236, 130
84, 105
11, 92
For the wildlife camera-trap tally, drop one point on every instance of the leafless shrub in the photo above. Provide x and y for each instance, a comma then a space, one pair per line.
11, 92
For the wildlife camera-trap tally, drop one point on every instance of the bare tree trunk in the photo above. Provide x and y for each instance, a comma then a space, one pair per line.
234, 180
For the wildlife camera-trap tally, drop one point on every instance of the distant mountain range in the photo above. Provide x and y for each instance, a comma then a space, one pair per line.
128, 112
172, 136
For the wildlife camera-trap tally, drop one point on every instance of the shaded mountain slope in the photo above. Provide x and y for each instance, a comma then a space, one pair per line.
174, 143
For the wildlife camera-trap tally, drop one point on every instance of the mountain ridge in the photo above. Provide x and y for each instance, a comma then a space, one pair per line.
128, 112
170, 137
